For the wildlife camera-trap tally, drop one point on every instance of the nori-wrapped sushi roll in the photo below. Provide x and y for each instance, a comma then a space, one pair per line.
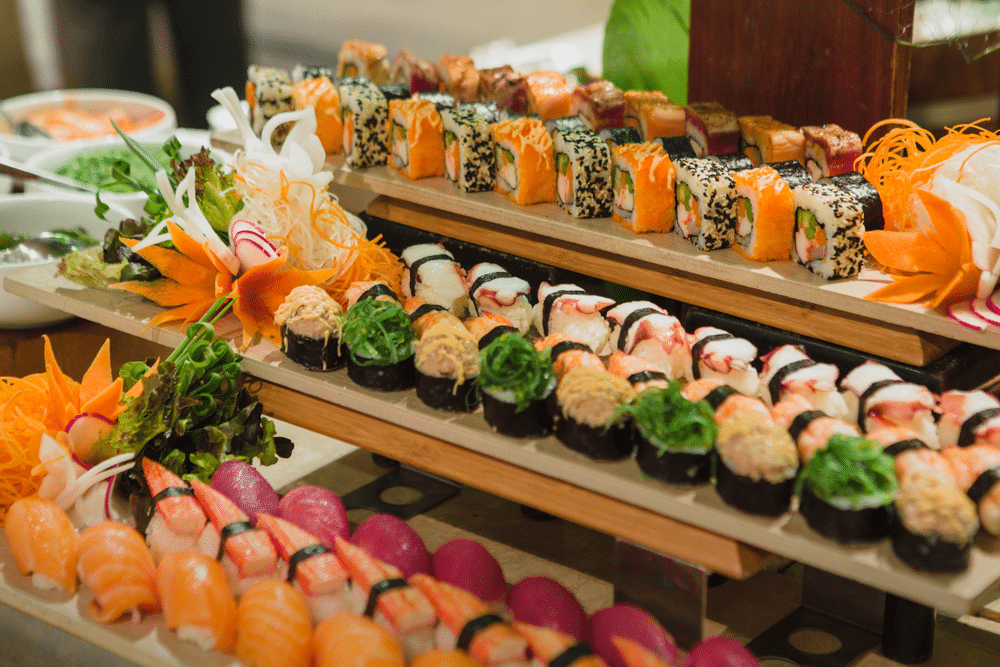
380, 340
846, 490
517, 384
310, 322
447, 358
674, 436
936, 523
587, 418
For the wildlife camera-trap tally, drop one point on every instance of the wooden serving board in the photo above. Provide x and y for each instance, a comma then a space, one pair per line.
399, 425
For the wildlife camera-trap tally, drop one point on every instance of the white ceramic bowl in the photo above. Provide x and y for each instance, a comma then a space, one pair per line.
55, 157
137, 105
32, 214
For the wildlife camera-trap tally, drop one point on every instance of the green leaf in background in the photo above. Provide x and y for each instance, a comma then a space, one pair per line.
646, 46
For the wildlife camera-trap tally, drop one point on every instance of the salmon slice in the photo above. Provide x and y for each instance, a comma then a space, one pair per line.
349, 640
196, 601
117, 568
250, 549
273, 626
547, 645
43, 543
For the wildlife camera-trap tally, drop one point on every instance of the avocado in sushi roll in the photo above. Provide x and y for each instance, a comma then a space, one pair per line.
588, 417
517, 383
310, 322
380, 341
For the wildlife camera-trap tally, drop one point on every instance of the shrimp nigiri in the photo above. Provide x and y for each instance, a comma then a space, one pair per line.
43, 543
550, 646
273, 626
196, 601
117, 568
178, 520
349, 640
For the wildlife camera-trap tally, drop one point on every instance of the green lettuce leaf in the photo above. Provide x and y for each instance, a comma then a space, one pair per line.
646, 46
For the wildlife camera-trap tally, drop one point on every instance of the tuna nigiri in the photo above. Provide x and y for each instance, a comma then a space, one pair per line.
349, 640
116, 566
43, 543
273, 626
197, 604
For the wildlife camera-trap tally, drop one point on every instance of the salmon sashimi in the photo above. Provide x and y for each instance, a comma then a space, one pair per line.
550, 645
641, 373
443, 657
636, 655
549, 94
245, 552
309, 566
526, 168
273, 626
197, 604
116, 566
178, 520
320, 94
466, 622
349, 640
416, 138
43, 543
72, 122
977, 472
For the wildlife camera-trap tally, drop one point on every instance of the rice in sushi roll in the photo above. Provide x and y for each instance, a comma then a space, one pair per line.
765, 215
588, 417
380, 340
364, 112
358, 58
706, 203
310, 322
492, 289
935, 525
829, 231
865, 193
646, 330
416, 139
517, 384
468, 150
433, 274
573, 311
583, 174
525, 164
643, 187
269, 92
446, 359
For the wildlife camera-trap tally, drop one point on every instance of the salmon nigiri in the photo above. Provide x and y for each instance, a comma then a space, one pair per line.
551, 646
349, 640
273, 626
178, 520
197, 604
43, 543
117, 568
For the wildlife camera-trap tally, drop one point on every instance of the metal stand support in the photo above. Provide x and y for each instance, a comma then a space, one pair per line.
908, 632
673, 591
433, 490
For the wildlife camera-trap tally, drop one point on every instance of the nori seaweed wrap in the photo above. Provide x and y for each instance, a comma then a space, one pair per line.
757, 463
310, 321
380, 340
935, 526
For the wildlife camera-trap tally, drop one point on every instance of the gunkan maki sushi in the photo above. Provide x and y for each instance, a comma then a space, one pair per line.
935, 526
380, 341
310, 321
447, 358
517, 383
588, 419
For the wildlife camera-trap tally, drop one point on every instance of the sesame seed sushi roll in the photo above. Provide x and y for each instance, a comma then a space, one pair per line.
301, 72
765, 215
969, 417
419, 75
792, 172
310, 322
395, 91
269, 92
416, 139
583, 174
706, 203
588, 416
830, 150
935, 525
525, 164
787, 369
616, 136
364, 112
640, 373
765, 140
380, 341
504, 87
847, 489
646, 330
600, 104
712, 129
653, 114
358, 58
468, 150
719, 354
517, 383
549, 94
488, 111
441, 100
321, 94
433, 274
829, 231
573, 311
492, 289
757, 463
459, 77
732, 161
865, 193
676, 147
877, 396
564, 125
643, 186
447, 358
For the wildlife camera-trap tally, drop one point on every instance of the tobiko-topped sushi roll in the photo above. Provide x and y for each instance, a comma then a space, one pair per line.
416, 138
765, 215
320, 93
310, 322
525, 164
380, 341
516, 382
643, 187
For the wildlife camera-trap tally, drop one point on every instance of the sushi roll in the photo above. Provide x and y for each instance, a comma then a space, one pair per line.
416, 139
732, 161
792, 172
488, 111
706, 203
380, 342
567, 354
765, 140
583, 173
646, 330
847, 489
419, 75
505, 88
653, 114
301, 72
712, 129
310, 322
468, 150
969, 417
459, 77
440, 100
935, 525
394, 91
830, 150
525, 164
877, 396
643, 187
865, 193
564, 125
492, 289
588, 417
571, 310
321, 94
829, 231
765, 215
488, 327
364, 112
516, 382
639, 372
600, 105
447, 358
674, 437
676, 147
616, 136
719, 354
269, 92
787, 369
358, 58
549, 94
433, 274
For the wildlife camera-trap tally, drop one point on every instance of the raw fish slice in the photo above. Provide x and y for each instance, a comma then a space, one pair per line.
467, 619
116, 566
349, 640
977, 472
196, 601
923, 461
43, 543
273, 626
547, 645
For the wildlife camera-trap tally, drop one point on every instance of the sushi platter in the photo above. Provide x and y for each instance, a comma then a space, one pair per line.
695, 524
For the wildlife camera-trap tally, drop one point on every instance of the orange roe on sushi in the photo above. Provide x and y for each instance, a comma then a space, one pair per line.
646, 202
416, 138
526, 168
322, 95
765, 196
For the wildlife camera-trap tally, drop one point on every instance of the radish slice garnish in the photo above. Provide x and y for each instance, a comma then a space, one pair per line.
993, 302
981, 308
84, 431
961, 311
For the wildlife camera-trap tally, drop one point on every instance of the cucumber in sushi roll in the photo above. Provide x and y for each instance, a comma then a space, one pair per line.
847, 490
380, 341
516, 381
310, 322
